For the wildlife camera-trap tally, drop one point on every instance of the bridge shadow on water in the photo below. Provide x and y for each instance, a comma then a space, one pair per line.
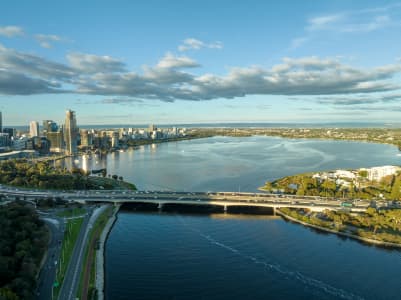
197, 209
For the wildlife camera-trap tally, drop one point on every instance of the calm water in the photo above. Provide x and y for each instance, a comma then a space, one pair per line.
232, 164
178, 256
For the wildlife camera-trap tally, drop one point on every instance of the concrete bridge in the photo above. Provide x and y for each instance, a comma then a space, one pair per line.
224, 199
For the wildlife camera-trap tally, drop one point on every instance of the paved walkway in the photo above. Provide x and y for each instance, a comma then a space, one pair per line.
100, 255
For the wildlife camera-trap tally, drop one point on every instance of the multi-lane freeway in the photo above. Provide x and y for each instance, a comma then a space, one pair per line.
226, 199
217, 198
71, 280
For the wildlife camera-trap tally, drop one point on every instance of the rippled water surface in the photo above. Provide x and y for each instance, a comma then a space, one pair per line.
152, 256
181, 256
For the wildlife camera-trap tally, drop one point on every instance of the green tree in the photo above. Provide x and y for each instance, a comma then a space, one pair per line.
7, 294
363, 173
395, 189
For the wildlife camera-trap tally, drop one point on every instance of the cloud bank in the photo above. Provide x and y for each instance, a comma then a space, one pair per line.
195, 44
11, 31
171, 78
47, 40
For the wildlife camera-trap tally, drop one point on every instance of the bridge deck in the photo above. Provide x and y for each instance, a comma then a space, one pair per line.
194, 198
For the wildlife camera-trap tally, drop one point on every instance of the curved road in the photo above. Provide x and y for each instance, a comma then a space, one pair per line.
47, 275
71, 279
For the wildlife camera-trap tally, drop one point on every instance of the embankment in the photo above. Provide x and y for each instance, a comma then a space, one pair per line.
349, 235
100, 258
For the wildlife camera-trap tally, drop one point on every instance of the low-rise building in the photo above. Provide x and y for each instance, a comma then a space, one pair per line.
377, 173
20, 143
344, 174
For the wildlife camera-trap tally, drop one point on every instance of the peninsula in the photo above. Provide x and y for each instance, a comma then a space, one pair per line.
380, 185
390, 136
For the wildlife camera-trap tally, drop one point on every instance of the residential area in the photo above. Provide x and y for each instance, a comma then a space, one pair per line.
376, 183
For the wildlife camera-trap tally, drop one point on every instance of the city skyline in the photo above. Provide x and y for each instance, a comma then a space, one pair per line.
208, 62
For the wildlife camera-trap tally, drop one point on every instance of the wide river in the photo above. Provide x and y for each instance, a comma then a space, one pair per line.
182, 256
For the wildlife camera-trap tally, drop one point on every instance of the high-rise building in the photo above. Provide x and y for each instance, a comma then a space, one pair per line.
70, 133
34, 128
56, 141
4, 140
1, 122
86, 138
41, 144
49, 126
12, 132
114, 139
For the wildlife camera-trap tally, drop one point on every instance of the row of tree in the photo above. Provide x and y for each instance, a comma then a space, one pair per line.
43, 175
383, 225
23, 242
374, 220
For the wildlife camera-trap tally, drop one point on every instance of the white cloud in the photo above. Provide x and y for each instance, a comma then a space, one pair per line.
359, 99
90, 63
305, 76
356, 21
168, 81
349, 22
11, 31
46, 40
376, 23
34, 66
172, 61
191, 44
323, 22
194, 44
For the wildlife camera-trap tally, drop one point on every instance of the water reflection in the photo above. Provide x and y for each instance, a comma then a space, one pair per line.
233, 164
243, 217
153, 148
87, 162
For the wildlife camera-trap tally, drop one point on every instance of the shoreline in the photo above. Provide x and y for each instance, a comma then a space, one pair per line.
146, 142
100, 255
138, 143
349, 235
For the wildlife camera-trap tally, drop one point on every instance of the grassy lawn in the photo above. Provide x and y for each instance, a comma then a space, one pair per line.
71, 212
94, 235
70, 236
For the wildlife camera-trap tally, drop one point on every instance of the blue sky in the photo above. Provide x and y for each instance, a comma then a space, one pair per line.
139, 62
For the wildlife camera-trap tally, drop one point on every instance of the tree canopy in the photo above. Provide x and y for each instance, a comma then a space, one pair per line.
23, 242
24, 173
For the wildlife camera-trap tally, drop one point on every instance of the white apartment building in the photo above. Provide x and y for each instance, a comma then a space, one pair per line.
377, 173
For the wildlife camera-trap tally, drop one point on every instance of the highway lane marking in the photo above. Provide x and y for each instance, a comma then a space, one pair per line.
91, 220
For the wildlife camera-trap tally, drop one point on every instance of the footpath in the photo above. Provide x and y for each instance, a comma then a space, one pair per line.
100, 254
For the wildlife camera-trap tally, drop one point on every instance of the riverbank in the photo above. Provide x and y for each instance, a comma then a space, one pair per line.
133, 144
390, 136
100, 257
43, 176
345, 234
